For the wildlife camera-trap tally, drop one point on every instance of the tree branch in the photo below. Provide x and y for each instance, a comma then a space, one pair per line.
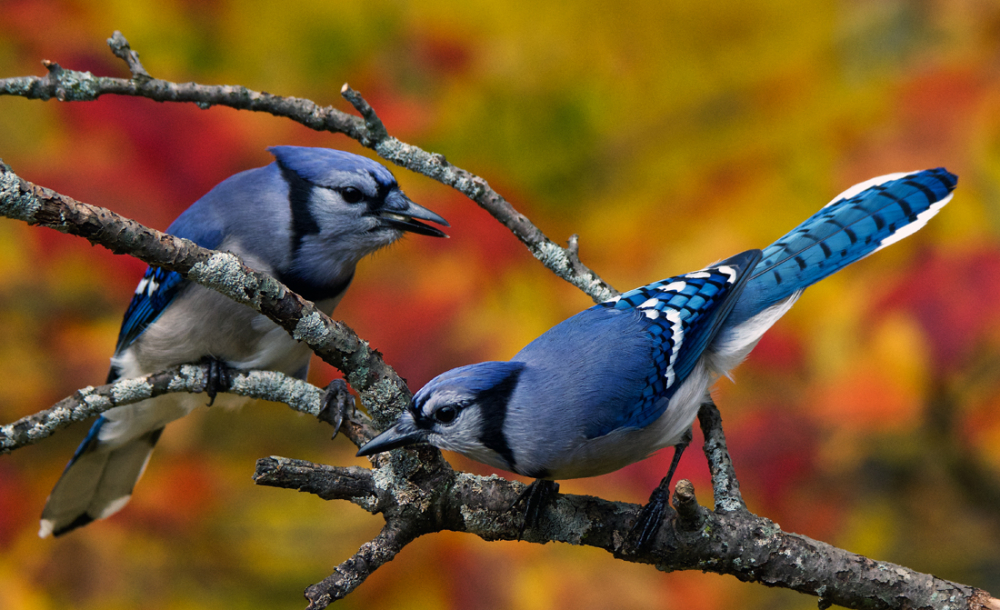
733, 542
73, 86
90, 401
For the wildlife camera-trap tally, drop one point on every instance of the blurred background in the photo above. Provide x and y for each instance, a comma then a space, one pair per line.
668, 135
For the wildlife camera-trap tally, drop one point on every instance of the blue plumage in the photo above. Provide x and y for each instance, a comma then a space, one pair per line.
625, 378
307, 219
852, 226
682, 314
156, 289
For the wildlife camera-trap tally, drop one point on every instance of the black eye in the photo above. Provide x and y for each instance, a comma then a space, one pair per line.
446, 414
351, 194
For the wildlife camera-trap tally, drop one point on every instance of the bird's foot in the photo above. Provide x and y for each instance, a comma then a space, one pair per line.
218, 380
335, 403
535, 498
648, 524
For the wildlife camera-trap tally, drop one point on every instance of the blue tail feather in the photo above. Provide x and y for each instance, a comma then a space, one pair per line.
863, 219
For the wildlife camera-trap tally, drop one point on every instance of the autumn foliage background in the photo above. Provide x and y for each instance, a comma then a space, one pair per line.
667, 135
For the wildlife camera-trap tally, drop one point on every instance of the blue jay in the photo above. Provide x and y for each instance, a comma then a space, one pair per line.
307, 219
625, 378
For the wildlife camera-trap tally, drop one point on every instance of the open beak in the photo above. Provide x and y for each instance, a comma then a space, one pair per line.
400, 434
401, 213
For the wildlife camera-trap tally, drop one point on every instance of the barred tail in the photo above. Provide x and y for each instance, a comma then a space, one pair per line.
860, 221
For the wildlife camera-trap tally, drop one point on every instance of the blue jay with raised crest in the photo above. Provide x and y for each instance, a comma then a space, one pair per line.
307, 219
625, 378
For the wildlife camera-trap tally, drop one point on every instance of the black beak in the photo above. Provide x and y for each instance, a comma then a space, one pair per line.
400, 213
400, 434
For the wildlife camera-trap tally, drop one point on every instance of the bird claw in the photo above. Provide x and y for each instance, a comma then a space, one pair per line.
535, 498
652, 514
217, 380
335, 403
648, 524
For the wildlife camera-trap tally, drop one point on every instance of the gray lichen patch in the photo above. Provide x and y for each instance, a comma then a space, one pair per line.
191, 379
15, 203
224, 273
75, 86
569, 526
94, 400
128, 391
311, 329
298, 394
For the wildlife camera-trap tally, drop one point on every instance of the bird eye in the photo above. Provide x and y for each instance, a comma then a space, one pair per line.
446, 414
351, 194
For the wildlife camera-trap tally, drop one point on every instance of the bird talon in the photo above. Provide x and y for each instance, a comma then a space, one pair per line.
647, 525
217, 380
535, 498
336, 400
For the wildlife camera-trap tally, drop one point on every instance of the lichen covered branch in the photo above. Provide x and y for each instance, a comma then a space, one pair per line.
91, 401
733, 542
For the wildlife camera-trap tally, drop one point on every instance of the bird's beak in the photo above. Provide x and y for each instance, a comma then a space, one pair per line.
401, 213
400, 434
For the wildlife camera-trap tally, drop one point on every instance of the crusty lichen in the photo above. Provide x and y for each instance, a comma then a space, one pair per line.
224, 273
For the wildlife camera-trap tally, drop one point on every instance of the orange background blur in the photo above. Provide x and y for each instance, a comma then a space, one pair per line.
668, 134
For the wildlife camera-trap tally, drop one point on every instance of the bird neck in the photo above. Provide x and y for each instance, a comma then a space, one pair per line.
309, 289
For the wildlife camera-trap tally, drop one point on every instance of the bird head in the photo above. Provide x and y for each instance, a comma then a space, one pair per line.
347, 193
341, 208
462, 410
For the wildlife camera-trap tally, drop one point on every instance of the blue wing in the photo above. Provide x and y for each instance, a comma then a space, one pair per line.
681, 314
158, 287
863, 219
155, 291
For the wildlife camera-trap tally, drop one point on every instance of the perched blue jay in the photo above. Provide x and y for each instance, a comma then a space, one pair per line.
625, 378
306, 219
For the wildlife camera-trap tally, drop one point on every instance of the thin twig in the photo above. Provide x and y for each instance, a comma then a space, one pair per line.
724, 482
371, 556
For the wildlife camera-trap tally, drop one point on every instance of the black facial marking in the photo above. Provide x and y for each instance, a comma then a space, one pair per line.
309, 290
493, 403
377, 203
299, 192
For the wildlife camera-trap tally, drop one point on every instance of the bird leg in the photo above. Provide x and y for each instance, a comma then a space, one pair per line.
651, 516
535, 498
218, 378
335, 403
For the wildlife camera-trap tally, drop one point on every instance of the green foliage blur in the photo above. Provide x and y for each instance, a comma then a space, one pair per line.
668, 135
